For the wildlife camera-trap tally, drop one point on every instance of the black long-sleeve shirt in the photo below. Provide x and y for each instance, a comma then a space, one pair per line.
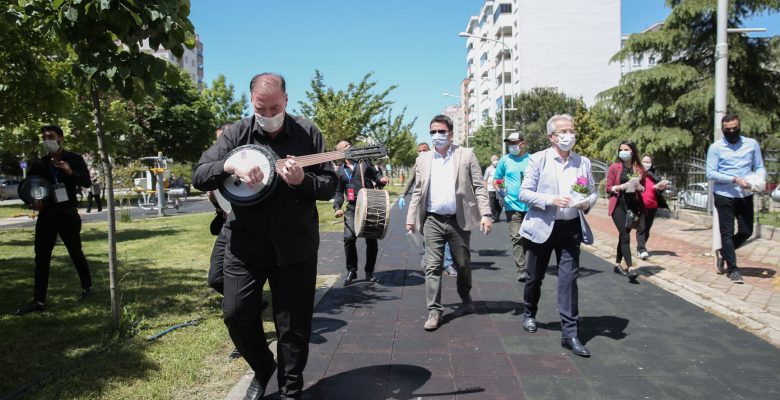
284, 227
44, 167
344, 179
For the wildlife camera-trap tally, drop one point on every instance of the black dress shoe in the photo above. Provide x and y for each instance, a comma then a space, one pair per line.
619, 270
575, 346
371, 277
86, 294
632, 275
522, 277
351, 276
33, 306
235, 354
256, 389
529, 325
719, 264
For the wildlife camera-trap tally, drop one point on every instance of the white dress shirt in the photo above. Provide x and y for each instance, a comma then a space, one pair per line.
567, 177
441, 199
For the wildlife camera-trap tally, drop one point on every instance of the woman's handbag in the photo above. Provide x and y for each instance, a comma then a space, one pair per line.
632, 220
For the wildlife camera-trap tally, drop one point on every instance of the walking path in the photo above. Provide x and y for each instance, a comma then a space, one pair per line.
368, 341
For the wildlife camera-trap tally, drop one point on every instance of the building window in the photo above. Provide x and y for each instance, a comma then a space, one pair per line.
502, 9
637, 60
483, 58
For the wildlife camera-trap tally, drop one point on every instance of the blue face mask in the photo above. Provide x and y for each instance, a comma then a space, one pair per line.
624, 155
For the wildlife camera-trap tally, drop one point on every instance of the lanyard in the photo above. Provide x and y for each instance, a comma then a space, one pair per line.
54, 173
348, 171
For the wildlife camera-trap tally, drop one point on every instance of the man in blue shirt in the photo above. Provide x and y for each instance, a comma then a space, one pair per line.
730, 161
511, 169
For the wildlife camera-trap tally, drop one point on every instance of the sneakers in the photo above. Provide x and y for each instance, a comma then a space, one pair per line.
450, 270
86, 294
33, 306
736, 277
643, 255
719, 263
432, 323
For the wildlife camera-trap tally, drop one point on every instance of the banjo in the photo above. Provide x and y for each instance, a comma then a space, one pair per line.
239, 194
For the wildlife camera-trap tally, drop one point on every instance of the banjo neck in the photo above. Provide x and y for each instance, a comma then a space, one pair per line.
314, 159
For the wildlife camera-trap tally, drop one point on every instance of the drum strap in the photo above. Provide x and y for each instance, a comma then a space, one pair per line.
362, 174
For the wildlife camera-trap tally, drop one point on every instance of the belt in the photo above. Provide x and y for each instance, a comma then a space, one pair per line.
443, 217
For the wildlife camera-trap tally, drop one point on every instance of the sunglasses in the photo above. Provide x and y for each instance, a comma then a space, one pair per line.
433, 132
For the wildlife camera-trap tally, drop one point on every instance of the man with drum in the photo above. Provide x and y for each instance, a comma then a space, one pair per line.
351, 177
58, 215
449, 200
275, 239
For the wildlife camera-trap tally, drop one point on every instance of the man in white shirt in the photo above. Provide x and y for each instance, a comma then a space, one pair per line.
490, 171
448, 201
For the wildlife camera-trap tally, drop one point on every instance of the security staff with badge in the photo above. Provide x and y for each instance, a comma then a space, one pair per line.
51, 189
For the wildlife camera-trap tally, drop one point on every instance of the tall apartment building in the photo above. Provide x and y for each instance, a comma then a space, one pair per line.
455, 113
562, 44
190, 61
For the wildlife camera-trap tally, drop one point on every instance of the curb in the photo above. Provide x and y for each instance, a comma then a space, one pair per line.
239, 389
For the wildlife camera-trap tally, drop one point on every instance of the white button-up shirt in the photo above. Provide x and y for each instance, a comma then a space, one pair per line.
567, 177
441, 199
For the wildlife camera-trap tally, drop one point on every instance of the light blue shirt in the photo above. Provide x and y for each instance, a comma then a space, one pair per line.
512, 170
441, 199
725, 161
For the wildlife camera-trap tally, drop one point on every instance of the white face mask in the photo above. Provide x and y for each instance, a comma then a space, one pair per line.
494, 163
624, 155
51, 145
440, 140
514, 149
566, 141
270, 124
647, 165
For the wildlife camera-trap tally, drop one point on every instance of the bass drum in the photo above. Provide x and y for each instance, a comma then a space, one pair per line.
238, 193
372, 213
34, 188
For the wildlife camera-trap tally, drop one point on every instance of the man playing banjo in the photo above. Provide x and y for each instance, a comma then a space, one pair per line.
276, 239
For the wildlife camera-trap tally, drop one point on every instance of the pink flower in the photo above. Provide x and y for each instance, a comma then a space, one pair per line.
583, 180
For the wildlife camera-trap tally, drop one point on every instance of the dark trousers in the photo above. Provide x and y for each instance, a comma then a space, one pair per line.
565, 240
643, 232
438, 230
624, 235
292, 294
48, 226
216, 277
350, 246
519, 243
728, 209
495, 205
95, 196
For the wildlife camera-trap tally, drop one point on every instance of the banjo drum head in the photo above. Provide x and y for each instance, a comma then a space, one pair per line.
34, 188
240, 194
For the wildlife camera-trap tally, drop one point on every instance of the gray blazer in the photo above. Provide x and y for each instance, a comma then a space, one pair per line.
471, 196
540, 186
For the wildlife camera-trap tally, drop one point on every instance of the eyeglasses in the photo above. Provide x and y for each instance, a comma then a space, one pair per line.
433, 132
561, 132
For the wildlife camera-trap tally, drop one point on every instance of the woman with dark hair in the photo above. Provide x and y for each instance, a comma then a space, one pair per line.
652, 199
625, 201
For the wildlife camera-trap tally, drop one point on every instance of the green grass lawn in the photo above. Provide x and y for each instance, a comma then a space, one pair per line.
329, 223
14, 210
71, 351
770, 218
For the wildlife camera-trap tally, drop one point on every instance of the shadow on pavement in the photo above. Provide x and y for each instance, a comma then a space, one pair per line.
583, 273
757, 272
662, 253
608, 326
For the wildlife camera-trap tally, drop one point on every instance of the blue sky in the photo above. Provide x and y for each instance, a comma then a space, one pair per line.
410, 43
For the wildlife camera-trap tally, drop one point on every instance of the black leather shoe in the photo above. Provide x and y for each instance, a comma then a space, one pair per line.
86, 294
33, 306
371, 277
719, 264
235, 354
619, 270
575, 346
529, 325
632, 275
256, 389
351, 276
522, 277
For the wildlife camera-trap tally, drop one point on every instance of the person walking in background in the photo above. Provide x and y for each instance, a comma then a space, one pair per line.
652, 199
555, 222
495, 205
733, 164
94, 192
449, 200
511, 170
625, 202
350, 179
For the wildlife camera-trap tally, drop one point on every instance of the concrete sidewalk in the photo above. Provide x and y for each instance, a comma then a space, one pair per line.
368, 341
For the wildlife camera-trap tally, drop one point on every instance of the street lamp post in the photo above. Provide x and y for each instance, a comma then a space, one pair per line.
503, 83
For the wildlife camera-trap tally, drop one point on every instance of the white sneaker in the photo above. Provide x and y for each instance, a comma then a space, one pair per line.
450, 270
644, 255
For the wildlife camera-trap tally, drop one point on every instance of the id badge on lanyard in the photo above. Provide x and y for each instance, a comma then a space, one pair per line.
350, 192
60, 193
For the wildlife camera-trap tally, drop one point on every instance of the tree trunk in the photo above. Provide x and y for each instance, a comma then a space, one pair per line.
112, 270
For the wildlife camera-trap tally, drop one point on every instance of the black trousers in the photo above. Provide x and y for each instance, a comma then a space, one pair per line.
95, 196
68, 226
728, 209
292, 294
643, 232
350, 246
495, 205
216, 277
624, 235
565, 240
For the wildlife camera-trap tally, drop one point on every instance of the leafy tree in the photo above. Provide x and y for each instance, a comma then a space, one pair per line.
221, 98
345, 114
534, 108
667, 110
105, 38
397, 137
486, 142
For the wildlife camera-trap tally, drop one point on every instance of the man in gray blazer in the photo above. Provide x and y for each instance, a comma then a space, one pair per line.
556, 222
448, 201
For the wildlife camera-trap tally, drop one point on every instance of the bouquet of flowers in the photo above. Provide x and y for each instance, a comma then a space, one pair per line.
501, 187
580, 191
